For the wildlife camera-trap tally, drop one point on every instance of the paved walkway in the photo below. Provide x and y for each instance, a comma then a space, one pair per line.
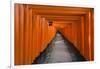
60, 51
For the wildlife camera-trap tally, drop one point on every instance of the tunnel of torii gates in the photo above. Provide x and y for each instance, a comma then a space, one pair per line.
36, 26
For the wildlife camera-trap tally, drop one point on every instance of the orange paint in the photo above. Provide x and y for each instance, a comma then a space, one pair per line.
32, 33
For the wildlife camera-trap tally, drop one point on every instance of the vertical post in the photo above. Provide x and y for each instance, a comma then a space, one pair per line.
91, 36
82, 33
16, 35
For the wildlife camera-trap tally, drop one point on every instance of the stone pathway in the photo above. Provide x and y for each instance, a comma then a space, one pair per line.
60, 52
